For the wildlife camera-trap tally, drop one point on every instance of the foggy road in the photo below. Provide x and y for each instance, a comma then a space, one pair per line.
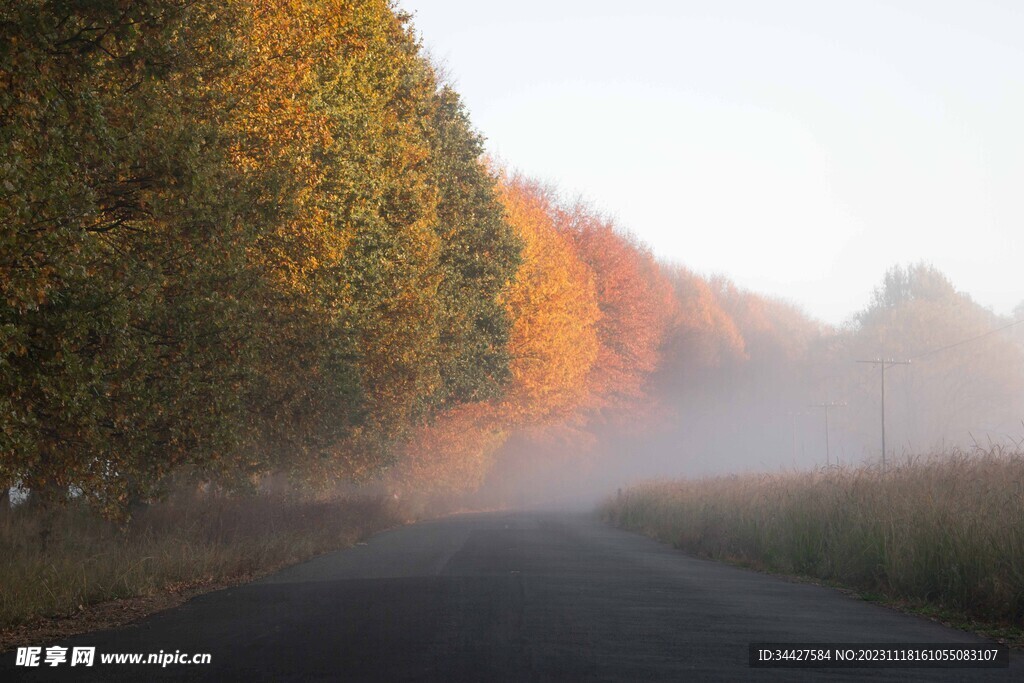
507, 597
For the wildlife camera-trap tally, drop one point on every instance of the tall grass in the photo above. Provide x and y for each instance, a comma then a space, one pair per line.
56, 561
944, 530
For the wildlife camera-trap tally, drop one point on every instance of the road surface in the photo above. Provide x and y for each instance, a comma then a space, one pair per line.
525, 596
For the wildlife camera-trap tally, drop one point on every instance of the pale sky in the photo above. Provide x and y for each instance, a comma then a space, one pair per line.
799, 148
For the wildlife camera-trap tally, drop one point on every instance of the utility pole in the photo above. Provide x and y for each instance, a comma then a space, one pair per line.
885, 364
793, 415
828, 406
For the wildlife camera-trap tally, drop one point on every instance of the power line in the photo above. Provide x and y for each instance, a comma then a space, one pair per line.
967, 341
888, 363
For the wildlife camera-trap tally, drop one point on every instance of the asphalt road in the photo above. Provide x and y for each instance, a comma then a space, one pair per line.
507, 597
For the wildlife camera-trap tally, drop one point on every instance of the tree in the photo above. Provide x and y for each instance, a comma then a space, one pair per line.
963, 383
553, 305
701, 337
479, 256
636, 304
239, 236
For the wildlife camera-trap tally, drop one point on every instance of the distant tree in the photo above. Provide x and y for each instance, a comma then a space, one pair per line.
701, 338
957, 386
636, 303
902, 285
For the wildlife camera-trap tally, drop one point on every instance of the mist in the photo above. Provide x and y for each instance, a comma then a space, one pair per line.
749, 393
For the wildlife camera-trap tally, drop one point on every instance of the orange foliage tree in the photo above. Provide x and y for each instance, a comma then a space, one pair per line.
637, 306
701, 335
452, 454
553, 304
553, 345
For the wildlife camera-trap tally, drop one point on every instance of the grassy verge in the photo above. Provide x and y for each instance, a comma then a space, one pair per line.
942, 535
59, 564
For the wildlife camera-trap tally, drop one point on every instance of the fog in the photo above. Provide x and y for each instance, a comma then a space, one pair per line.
715, 407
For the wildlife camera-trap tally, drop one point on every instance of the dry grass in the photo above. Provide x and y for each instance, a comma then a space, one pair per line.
946, 531
57, 562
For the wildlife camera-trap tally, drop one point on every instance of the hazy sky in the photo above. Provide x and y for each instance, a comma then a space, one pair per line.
800, 148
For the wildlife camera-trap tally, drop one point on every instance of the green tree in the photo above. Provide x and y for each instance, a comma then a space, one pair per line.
479, 256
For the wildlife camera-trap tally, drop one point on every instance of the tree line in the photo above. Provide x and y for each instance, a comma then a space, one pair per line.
237, 237
253, 237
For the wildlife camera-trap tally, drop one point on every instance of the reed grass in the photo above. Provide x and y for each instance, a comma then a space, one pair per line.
57, 561
945, 530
